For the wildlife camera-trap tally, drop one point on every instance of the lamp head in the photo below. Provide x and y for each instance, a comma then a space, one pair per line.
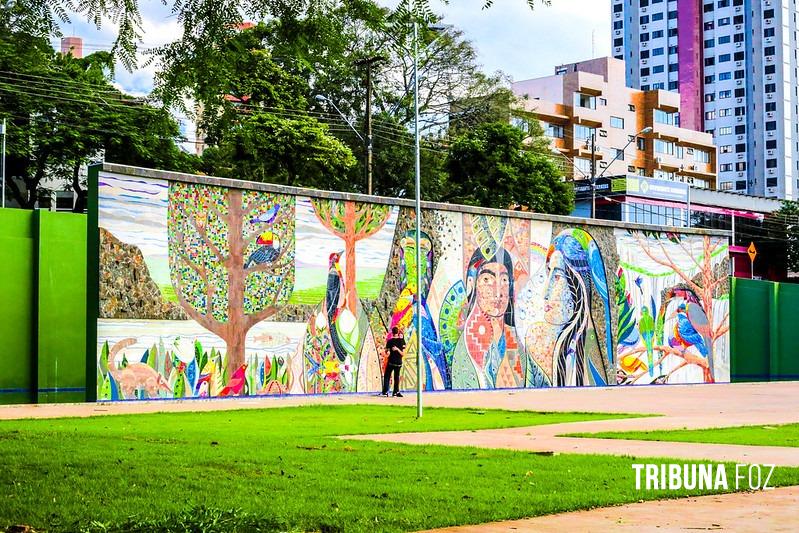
320, 98
648, 129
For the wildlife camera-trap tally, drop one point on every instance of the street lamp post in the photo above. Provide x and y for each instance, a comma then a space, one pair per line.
418, 208
594, 177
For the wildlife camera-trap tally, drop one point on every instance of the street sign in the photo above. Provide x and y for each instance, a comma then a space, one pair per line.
752, 251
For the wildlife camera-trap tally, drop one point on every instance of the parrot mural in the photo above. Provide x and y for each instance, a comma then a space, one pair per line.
646, 327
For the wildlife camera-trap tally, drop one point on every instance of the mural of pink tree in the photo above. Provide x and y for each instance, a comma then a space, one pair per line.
231, 261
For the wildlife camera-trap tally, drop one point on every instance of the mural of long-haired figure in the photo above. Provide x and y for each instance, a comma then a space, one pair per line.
436, 372
489, 354
576, 271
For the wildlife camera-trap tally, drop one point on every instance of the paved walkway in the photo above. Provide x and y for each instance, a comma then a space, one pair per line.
742, 512
680, 406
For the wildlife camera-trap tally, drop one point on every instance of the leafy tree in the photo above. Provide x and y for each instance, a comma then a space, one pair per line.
63, 111
205, 22
490, 166
788, 216
251, 113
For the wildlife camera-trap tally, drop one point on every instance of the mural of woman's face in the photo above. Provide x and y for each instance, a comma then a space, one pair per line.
558, 304
493, 289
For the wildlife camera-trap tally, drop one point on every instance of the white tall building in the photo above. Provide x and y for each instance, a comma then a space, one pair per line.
734, 63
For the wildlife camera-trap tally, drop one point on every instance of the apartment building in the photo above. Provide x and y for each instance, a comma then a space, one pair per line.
634, 131
734, 64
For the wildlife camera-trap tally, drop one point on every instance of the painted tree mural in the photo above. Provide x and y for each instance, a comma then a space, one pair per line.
231, 261
351, 222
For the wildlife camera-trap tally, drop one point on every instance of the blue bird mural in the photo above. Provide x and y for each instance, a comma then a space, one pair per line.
692, 329
267, 217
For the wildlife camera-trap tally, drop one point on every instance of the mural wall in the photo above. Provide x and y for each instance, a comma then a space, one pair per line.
209, 291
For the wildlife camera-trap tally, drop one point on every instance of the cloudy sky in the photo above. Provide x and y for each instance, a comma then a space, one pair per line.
509, 36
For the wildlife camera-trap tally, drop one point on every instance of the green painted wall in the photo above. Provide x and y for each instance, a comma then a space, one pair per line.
17, 310
61, 307
42, 306
764, 337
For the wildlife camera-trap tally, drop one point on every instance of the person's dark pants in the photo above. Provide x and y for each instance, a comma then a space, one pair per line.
387, 377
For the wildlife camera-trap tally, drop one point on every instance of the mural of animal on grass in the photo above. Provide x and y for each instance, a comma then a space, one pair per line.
210, 291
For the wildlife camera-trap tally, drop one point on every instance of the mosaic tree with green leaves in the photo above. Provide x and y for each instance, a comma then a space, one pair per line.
351, 222
231, 259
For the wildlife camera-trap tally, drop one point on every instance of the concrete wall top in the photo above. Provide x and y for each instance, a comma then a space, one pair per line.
332, 195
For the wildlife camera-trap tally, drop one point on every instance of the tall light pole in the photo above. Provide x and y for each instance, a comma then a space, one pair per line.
418, 206
594, 177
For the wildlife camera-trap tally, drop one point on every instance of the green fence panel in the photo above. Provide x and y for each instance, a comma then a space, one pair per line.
17, 309
62, 307
749, 329
785, 341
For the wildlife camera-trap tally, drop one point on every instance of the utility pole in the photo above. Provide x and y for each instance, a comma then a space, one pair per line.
593, 173
368, 62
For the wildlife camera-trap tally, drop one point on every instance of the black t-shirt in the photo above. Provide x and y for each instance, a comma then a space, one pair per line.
394, 357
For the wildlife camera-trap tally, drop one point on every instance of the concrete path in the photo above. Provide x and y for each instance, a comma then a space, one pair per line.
743, 512
689, 407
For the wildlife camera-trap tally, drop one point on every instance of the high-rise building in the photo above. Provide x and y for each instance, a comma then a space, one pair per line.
734, 63
633, 131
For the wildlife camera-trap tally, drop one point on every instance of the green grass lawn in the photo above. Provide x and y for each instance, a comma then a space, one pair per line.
784, 435
279, 469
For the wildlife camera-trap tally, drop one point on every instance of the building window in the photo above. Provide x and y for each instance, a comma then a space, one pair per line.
725, 112
740, 166
710, 97
585, 100
662, 117
631, 107
664, 147
726, 149
617, 122
641, 143
725, 186
554, 130
771, 106
740, 185
710, 115
725, 167
701, 156
583, 132
724, 76
725, 94
771, 163
619, 154
583, 165
726, 130
771, 87
771, 125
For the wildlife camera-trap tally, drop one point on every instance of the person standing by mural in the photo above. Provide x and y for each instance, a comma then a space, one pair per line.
395, 347
566, 343
488, 354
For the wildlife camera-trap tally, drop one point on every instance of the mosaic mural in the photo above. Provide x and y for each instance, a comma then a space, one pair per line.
252, 293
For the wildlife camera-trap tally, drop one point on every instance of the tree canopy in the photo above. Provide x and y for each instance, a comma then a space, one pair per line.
788, 217
63, 111
491, 167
